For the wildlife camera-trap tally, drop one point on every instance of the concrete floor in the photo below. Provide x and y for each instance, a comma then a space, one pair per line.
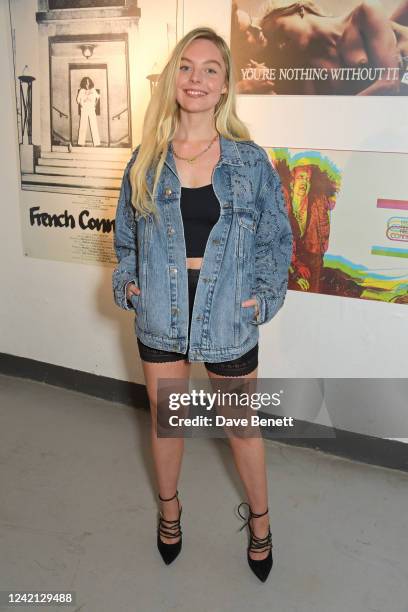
78, 512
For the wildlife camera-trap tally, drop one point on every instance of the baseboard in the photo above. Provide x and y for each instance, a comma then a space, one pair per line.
355, 446
131, 394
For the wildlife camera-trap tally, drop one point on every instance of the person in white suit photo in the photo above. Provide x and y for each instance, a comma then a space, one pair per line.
87, 99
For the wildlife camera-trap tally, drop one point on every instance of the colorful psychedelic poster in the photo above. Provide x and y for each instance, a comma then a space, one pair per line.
349, 216
321, 47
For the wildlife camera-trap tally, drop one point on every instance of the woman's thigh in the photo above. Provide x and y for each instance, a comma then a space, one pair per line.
236, 433
153, 372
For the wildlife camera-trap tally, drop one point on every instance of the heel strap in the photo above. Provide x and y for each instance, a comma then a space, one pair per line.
169, 499
256, 544
260, 544
170, 528
250, 514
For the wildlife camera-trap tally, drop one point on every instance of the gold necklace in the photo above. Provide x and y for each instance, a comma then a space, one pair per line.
191, 160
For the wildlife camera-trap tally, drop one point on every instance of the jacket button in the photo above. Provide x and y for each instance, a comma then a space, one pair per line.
215, 241
167, 191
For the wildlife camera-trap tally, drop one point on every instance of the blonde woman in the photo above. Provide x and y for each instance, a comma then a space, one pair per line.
204, 246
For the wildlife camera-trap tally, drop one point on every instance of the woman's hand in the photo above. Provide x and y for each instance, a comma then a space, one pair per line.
303, 271
132, 289
252, 302
303, 284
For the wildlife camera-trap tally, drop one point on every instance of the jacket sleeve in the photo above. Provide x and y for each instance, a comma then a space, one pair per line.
273, 246
125, 243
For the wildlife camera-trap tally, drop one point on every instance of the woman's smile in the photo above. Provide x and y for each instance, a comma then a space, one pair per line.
195, 93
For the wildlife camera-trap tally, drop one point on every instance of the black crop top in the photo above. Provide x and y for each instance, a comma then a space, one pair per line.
200, 210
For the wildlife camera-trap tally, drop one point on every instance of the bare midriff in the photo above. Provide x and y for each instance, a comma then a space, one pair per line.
194, 263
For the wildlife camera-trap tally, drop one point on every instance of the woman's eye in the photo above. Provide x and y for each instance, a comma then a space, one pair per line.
211, 70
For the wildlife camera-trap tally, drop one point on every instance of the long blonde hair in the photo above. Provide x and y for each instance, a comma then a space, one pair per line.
162, 118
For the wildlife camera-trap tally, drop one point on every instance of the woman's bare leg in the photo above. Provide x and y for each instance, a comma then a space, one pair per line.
249, 457
167, 452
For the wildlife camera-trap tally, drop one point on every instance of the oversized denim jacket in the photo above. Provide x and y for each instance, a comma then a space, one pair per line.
247, 254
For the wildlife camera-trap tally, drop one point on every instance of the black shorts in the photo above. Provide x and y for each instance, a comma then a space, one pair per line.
235, 367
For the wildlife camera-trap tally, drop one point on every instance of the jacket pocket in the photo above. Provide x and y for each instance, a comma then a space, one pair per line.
246, 218
246, 234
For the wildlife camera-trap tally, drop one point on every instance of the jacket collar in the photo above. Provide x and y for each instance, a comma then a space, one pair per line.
229, 152
229, 155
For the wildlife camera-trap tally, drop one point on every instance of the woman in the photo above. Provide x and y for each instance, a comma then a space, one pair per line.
197, 183
87, 98
301, 35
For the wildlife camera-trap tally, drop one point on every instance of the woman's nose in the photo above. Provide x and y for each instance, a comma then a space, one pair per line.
195, 76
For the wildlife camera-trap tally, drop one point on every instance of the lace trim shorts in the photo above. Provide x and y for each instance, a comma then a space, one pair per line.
235, 367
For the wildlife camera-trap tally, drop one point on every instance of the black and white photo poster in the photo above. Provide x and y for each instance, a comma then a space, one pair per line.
73, 97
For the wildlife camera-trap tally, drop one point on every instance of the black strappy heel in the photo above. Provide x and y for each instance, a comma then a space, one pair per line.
169, 551
260, 567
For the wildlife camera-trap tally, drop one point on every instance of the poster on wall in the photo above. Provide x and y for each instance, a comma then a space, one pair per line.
72, 65
349, 216
320, 47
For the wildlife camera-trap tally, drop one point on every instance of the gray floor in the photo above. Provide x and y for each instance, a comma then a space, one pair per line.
78, 512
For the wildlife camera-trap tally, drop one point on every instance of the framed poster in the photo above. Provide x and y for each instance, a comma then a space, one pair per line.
321, 47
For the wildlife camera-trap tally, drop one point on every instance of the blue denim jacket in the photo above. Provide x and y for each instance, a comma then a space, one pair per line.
247, 254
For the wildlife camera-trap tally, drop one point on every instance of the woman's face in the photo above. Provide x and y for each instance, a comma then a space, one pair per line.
201, 77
